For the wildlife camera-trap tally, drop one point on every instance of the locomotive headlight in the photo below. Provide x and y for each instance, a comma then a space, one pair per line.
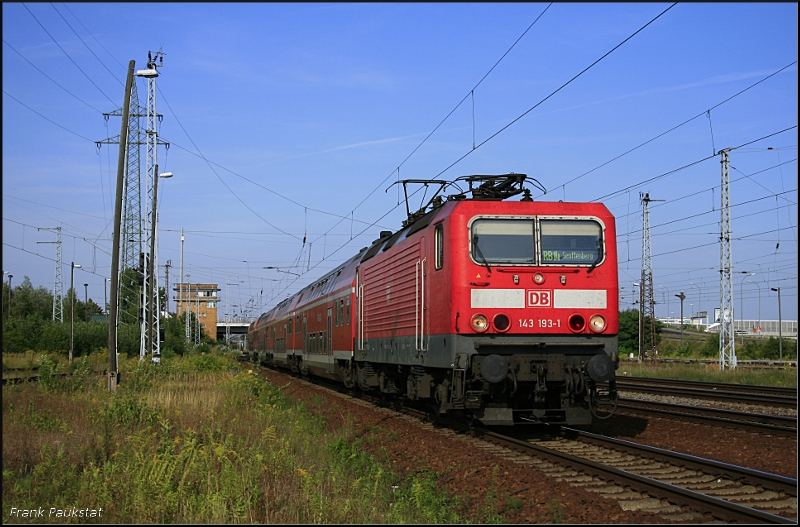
538, 278
597, 323
479, 323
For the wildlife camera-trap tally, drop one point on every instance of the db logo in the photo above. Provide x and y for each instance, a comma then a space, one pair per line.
539, 298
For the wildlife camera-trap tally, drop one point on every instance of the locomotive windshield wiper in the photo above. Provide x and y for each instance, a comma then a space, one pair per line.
597, 260
480, 253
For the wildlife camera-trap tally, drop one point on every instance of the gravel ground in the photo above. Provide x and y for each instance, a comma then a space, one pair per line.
777, 455
710, 403
466, 471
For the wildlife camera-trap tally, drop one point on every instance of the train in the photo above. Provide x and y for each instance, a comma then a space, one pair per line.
498, 310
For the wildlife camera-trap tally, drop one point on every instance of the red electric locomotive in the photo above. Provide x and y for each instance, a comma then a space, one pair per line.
505, 310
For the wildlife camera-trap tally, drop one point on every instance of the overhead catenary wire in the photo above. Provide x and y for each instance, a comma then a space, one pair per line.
67, 54
324, 235
49, 77
684, 167
685, 196
466, 96
529, 110
46, 118
687, 121
84, 43
587, 68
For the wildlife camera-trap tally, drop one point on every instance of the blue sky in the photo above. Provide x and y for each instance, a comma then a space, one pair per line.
290, 120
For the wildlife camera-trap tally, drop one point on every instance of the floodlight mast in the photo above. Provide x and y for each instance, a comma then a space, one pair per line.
149, 342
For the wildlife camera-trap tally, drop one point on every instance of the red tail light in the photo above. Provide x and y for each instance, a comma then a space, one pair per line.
577, 323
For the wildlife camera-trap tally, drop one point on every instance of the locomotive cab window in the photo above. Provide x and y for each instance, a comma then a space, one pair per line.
570, 242
502, 241
439, 246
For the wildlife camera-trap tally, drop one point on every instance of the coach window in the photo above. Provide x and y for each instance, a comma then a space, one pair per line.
502, 241
439, 245
290, 326
570, 242
347, 311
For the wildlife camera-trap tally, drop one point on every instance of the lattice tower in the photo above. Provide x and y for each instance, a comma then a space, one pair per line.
131, 248
647, 336
150, 342
187, 291
727, 340
58, 283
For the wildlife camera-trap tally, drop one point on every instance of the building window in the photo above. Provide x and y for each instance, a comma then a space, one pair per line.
211, 304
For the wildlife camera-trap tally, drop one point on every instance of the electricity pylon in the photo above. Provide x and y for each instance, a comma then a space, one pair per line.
130, 304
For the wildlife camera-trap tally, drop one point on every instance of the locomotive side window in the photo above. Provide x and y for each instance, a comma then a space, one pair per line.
439, 246
571, 241
503, 241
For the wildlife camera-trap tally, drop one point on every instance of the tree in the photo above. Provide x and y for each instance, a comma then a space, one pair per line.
27, 301
629, 332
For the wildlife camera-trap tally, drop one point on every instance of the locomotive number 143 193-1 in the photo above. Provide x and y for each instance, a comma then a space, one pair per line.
539, 323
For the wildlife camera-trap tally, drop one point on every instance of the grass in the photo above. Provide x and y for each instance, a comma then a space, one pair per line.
196, 440
711, 373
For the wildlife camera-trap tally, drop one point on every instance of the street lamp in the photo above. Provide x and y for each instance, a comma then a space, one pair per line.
780, 323
741, 300
153, 300
636, 284
759, 304
9, 295
227, 306
72, 310
105, 298
682, 297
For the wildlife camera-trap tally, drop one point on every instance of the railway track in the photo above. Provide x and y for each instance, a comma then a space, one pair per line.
678, 487
644, 475
769, 424
738, 393
724, 386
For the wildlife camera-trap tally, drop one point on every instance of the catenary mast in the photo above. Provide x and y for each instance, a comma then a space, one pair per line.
727, 338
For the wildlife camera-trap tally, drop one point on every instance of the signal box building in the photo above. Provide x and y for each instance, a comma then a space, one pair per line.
200, 299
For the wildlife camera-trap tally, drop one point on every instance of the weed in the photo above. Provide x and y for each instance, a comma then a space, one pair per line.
50, 372
186, 442
490, 512
43, 421
556, 511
